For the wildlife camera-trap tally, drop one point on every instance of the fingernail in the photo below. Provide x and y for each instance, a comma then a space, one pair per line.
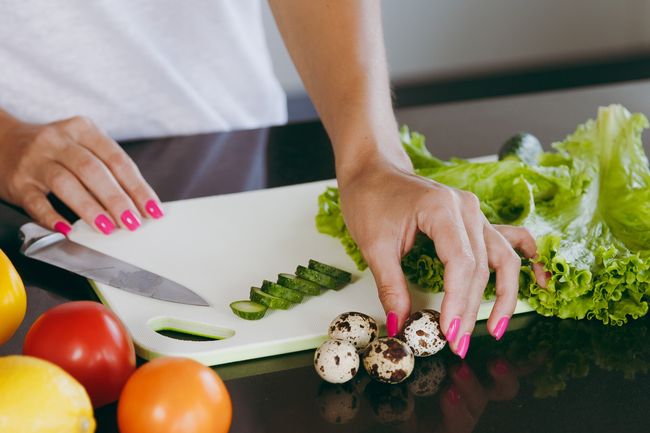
463, 371
391, 324
463, 346
501, 367
130, 221
452, 331
104, 224
501, 327
154, 209
62, 227
453, 396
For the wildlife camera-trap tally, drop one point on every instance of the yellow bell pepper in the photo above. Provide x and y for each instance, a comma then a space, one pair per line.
13, 302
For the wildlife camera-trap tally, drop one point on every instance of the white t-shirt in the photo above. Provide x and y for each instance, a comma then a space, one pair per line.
139, 68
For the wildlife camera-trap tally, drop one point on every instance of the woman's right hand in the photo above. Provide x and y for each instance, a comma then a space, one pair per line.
81, 165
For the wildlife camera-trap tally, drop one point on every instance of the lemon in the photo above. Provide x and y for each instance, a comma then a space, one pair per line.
37, 396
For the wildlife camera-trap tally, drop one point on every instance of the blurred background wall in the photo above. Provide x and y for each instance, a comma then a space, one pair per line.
435, 39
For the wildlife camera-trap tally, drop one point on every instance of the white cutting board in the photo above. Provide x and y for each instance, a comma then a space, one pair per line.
221, 246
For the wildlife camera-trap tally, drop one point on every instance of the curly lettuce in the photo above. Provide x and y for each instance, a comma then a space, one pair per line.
587, 202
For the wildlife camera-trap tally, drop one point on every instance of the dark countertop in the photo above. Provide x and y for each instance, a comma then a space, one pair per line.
544, 375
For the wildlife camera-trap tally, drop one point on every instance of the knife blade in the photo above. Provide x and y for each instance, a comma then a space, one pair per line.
54, 248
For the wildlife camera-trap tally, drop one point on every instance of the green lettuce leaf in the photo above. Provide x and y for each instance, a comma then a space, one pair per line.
587, 202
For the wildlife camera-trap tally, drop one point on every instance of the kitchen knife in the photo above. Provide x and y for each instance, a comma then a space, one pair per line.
54, 248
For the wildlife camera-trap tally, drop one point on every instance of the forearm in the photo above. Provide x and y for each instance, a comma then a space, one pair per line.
337, 47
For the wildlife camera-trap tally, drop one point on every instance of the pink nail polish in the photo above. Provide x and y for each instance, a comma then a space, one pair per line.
501, 327
130, 221
391, 324
463, 345
104, 224
154, 209
453, 396
62, 227
452, 331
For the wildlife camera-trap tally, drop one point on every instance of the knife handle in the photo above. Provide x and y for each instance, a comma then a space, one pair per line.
34, 236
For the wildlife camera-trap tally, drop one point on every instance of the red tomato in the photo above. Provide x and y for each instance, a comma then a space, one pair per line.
174, 395
88, 341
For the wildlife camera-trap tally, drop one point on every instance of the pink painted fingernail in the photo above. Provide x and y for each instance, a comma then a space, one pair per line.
452, 331
501, 327
391, 324
130, 221
62, 227
104, 224
463, 345
154, 209
453, 396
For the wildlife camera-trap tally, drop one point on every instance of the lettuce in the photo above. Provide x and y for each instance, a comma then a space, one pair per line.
587, 202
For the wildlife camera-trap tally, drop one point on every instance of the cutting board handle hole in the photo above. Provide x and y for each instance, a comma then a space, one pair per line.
181, 329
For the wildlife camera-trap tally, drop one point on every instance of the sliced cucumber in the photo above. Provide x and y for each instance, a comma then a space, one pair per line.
274, 289
338, 274
522, 147
248, 310
257, 295
316, 277
297, 283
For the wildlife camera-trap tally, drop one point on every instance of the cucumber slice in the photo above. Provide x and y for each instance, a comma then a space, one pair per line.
522, 147
316, 277
274, 289
257, 295
297, 283
338, 274
248, 310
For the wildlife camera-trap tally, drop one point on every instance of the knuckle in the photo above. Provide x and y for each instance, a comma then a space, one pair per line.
87, 167
46, 134
118, 162
80, 123
57, 178
470, 200
466, 260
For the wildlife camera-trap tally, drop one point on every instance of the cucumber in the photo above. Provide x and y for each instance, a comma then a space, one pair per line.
338, 274
297, 283
274, 289
248, 310
257, 295
316, 277
522, 147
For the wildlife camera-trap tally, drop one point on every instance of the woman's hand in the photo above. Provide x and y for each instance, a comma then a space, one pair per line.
385, 206
81, 165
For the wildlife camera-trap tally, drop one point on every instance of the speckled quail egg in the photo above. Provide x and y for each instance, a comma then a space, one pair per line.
391, 404
388, 360
428, 375
422, 333
336, 361
357, 328
338, 403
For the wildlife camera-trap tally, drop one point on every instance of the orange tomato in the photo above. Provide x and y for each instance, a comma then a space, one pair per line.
13, 302
174, 395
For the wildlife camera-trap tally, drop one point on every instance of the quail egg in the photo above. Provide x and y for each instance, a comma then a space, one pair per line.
388, 360
357, 328
337, 403
422, 333
336, 361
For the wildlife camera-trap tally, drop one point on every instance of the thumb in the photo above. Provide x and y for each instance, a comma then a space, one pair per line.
391, 286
